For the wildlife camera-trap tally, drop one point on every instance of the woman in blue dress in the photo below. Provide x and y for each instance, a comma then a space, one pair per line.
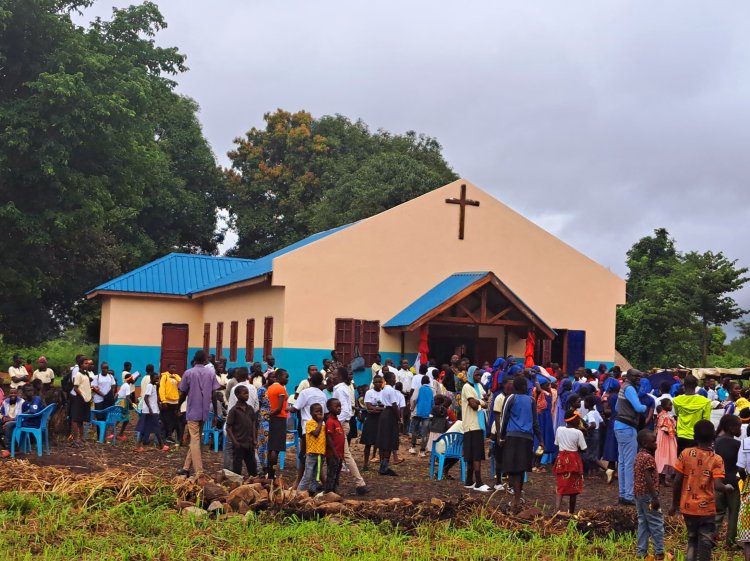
607, 409
546, 424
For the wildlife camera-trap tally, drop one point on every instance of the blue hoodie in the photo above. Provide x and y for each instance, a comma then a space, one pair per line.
425, 401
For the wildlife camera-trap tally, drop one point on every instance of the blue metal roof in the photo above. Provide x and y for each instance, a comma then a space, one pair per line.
434, 297
175, 274
264, 265
183, 274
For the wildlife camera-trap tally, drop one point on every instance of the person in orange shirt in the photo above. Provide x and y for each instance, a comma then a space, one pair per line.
700, 474
277, 398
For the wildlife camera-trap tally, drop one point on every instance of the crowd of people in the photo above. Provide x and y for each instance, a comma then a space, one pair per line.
601, 423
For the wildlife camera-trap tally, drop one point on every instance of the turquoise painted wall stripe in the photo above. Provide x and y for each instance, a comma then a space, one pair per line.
292, 359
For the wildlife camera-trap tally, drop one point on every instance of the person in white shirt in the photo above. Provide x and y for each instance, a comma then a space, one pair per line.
405, 377
125, 399
146, 380
388, 425
44, 374
568, 466
9, 410
103, 387
148, 424
18, 373
342, 392
377, 366
307, 397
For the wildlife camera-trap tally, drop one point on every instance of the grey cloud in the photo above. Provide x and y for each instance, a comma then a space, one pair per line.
600, 120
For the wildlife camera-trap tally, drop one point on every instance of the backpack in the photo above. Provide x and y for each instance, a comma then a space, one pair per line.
67, 382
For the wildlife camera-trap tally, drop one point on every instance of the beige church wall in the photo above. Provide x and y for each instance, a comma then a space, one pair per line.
377, 274
254, 302
132, 320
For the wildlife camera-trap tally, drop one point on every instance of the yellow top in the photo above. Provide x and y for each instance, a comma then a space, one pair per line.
168, 392
315, 445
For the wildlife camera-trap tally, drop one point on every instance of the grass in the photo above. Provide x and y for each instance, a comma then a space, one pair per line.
57, 527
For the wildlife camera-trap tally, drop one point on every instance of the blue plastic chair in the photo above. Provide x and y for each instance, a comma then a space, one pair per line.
41, 433
108, 417
454, 445
209, 430
294, 443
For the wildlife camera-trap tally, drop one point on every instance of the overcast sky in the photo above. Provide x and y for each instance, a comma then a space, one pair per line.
600, 121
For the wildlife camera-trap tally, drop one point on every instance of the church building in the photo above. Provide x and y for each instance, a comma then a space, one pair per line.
454, 267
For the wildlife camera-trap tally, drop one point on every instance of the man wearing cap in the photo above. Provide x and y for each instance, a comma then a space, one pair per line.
44, 374
629, 408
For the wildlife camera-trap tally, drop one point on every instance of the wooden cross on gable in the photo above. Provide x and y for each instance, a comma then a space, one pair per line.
462, 201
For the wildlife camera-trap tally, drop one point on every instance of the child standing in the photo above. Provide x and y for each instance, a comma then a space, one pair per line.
438, 419
388, 424
646, 491
728, 447
334, 445
568, 465
240, 425
699, 477
315, 441
126, 400
666, 441
374, 405
149, 422
421, 419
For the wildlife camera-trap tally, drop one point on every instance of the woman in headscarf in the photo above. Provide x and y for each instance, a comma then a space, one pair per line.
563, 393
546, 424
607, 409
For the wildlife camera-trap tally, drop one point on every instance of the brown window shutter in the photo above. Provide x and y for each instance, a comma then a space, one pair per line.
370, 341
344, 340
250, 340
267, 337
206, 337
233, 329
219, 339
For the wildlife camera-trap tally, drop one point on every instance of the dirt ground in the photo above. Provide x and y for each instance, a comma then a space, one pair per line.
412, 481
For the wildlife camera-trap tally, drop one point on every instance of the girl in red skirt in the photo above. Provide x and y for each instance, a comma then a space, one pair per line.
568, 465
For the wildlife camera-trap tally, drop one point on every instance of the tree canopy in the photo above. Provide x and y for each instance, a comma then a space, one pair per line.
676, 304
103, 167
301, 175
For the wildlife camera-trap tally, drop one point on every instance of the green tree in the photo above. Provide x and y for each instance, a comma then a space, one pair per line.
102, 165
301, 175
656, 327
708, 281
676, 304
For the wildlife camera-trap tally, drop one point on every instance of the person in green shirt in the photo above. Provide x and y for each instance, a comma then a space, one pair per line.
689, 409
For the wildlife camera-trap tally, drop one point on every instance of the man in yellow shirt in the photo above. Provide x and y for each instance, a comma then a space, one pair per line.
169, 398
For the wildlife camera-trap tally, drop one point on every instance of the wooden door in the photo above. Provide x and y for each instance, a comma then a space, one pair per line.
174, 346
486, 350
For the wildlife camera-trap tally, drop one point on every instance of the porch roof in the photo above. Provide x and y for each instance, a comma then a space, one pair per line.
458, 287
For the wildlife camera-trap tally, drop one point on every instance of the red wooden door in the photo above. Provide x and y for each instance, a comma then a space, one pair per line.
174, 346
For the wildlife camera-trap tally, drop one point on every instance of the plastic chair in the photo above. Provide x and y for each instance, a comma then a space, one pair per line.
291, 424
454, 444
41, 433
104, 418
209, 430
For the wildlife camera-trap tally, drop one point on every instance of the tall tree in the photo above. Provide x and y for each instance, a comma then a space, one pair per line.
676, 303
709, 279
300, 175
102, 165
